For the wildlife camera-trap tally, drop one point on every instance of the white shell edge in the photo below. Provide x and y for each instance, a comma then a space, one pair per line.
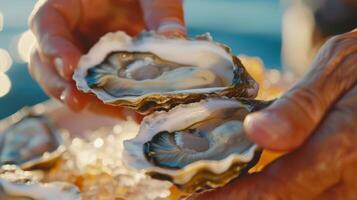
120, 41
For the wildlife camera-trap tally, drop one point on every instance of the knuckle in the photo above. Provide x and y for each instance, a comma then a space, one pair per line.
51, 45
334, 43
306, 100
342, 42
36, 14
306, 94
336, 67
334, 39
45, 39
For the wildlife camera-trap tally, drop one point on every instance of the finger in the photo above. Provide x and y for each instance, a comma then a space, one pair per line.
171, 28
53, 24
291, 119
77, 101
53, 84
320, 164
166, 17
46, 76
64, 54
73, 98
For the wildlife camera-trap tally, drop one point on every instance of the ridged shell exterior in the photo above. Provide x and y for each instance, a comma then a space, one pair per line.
18, 184
242, 84
48, 158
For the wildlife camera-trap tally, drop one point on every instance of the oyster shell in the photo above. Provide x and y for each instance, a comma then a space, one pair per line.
153, 72
197, 146
29, 141
16, 184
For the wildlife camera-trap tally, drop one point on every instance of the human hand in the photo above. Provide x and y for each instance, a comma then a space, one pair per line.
318, 120
65, 29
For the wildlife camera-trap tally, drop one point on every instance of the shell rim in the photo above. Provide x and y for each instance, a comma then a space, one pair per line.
47, 157
135, 102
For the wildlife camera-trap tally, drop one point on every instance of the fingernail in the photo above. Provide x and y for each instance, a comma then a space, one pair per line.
266, 127
171, 27
71, 100
59, 65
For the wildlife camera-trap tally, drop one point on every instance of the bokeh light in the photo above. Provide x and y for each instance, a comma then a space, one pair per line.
5, 61
5, 84
98, 142
1, 21
274, 76
25, 43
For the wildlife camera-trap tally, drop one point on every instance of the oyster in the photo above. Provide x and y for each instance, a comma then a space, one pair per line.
16, 184
197, 146
153, 72
29, 141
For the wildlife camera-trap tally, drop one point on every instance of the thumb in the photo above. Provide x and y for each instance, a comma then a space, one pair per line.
286, 123
290, 120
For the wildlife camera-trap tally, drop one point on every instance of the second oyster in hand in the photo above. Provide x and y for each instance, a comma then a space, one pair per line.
196, 146
152, 72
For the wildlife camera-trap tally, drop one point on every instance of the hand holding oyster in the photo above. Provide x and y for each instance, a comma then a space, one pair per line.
197, 146
195, 138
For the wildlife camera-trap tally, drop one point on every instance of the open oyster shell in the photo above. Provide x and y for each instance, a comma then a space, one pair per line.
16, 184
196, 146
153, 72
29, 140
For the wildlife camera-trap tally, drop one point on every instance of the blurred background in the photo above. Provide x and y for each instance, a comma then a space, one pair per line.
17, 89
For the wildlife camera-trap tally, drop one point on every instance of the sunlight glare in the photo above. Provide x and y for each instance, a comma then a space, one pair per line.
1, 21
25, 44
5, 61
5, 84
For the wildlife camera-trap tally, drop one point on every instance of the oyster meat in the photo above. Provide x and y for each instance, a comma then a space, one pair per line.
31, 142
197, 146
16, 184
152, 72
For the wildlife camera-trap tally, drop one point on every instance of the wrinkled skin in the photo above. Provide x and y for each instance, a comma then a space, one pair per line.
317, 120
65, 29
